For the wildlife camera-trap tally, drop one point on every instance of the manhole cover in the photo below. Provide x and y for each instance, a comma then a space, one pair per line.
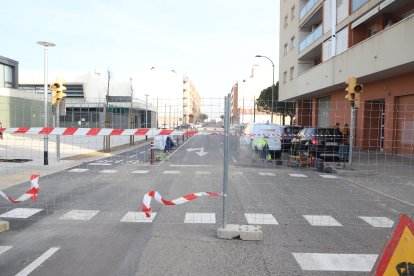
16, 160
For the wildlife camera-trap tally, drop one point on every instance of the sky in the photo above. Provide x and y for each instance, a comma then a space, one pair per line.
212, 42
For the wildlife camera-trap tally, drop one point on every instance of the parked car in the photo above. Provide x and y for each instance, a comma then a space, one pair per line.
322, 142
184, 127
289, 132
271, 132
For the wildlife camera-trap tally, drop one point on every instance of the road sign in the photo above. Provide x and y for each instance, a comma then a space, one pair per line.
398, 256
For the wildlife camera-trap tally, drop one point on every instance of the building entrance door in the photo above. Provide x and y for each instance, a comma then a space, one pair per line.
374, 119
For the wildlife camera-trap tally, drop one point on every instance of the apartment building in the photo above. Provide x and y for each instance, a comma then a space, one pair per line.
323, 43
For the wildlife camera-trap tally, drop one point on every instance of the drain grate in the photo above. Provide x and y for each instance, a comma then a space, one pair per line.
16, 160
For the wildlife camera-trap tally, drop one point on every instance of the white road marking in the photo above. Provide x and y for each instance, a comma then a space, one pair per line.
171, 172
142, 152
237, 173
202, 173
138, 217
36, 263
378, 221
118, 161
321, 220
108, 171
21, 213
266, 174
328, 176
100, 164
194, 166
336, 262
140, 171
132, 156
4, 249
260, 218
79, 215
234, 160
297, 175
78, 170
200, 218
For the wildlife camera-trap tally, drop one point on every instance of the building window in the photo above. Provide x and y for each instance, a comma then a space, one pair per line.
286, 21
291, 73
292, 42
356, 4
284, 76
292, 12
6, 76
285, 49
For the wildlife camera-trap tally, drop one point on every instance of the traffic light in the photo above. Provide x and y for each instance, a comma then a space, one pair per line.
354, 92
57, 89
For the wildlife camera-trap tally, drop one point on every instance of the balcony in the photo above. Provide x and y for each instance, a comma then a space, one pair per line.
307, 8
312, 37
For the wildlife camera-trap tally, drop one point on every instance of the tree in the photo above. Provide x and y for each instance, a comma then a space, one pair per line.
202, 117
264, 103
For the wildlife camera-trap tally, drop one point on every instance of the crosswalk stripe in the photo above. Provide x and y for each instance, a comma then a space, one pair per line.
315, 220
328, 176
266, 174
21, 213
108, 171
297, 175
200, 218
336, 262
78, 170
260, 218
4, 248
378, 221
36, 263
138, 217
171, 172
79, 215
202, 173
140, 171
100, 164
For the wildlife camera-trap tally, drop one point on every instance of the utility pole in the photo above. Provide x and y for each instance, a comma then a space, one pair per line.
107, 123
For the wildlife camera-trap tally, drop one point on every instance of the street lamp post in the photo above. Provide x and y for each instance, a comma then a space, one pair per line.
45, 151
273, 84
146, 110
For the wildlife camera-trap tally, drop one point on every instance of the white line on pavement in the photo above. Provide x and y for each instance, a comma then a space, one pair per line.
260, 218
378, 221
171, 172
335, 262
4, 249
321, 220
79, 215
266, 174
297, 175
78, 170
108, 171
200, 218
21, 213
100, 164
138, 217
141, 152
36, 263
234, 160
140, 171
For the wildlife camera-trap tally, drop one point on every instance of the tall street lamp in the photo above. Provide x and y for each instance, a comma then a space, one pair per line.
146, 110
273, 84
45, 46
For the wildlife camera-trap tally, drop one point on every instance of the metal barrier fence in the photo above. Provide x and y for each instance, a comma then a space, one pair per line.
312, 187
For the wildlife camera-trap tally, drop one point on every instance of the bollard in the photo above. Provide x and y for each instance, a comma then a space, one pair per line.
152, 153
178, 140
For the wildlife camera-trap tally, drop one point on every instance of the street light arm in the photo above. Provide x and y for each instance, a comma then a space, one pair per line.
267, 58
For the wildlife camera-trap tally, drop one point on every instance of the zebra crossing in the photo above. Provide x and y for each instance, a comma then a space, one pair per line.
200, 173
251, 218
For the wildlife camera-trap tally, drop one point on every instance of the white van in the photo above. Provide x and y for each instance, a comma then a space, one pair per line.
271, 132
159, 142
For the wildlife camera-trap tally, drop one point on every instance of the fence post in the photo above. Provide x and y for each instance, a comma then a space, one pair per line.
152, 153
351, 137
226, 157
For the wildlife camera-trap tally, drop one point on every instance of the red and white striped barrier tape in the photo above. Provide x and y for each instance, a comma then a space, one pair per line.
32, 193
73, 131
146, 203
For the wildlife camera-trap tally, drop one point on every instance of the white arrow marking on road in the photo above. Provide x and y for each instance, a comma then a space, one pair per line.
201, 151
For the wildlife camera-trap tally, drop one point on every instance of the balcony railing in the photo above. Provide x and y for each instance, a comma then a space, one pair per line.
307, 8
312, 37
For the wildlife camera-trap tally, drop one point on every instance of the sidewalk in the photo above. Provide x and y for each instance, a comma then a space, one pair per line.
74, 151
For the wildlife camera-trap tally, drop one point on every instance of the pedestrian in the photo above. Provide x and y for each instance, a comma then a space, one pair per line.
345, 133
262, 145
1, 132
169, 144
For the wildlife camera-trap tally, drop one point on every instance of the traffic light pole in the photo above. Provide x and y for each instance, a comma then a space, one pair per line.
351, 136
57, 136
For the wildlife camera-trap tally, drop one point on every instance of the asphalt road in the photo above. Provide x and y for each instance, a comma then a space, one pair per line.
302, 212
